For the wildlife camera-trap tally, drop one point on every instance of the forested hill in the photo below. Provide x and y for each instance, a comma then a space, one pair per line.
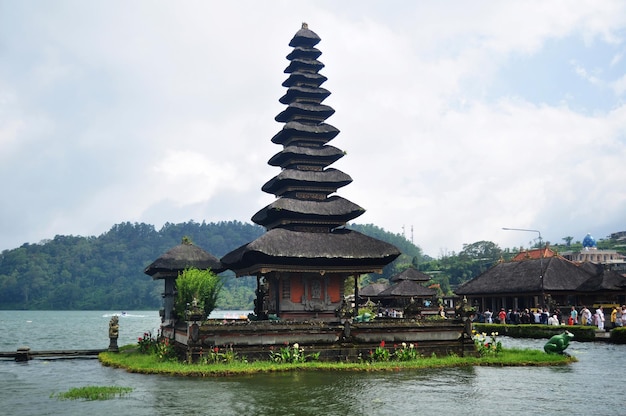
106, 272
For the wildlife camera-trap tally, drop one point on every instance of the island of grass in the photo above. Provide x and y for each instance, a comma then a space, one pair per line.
134, 361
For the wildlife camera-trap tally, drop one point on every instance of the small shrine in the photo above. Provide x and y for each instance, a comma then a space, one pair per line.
172, 263
303, 260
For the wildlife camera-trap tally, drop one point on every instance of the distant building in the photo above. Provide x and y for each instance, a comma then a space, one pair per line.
534, 280
590, 253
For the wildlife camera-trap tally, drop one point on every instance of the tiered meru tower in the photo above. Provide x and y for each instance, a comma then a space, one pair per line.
302, 261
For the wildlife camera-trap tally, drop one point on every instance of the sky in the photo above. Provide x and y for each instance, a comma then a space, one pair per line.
458, 118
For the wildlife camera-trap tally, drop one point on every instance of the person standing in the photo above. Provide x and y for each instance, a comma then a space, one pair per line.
488, 316
502, 316
600, 317
574, 316
585, 316
613, 317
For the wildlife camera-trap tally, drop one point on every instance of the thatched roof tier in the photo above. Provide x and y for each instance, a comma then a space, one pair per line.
300, 52
304, 38
411, 274
297, 131
602, 280
331, 212
407, 289
372, 290
295, 155
315, 95
304, 65
305, 113
181, 257
514, 277
304, 79
304, 224
339, 251
291, 180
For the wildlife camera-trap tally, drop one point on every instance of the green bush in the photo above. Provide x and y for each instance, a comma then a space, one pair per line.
203, 286
581, 333
618, 335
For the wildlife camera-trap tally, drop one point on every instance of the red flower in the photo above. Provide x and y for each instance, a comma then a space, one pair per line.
216, 349
382, 343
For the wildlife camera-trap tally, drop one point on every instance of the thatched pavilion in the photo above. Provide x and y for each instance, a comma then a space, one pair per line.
303, 260
173, 262
525, 282
405, 288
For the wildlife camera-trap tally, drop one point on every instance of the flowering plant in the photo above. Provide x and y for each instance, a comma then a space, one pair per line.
293, 354
164, 350
214, 355
487, 346
380, 353
146, 343
406, 352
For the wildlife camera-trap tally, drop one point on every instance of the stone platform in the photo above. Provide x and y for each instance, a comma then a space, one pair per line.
333, 340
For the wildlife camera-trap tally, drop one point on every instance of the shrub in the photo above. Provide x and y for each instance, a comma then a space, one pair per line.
618, 335
195, 285
581, 333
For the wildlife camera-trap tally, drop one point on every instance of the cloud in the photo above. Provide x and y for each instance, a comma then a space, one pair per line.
155, 112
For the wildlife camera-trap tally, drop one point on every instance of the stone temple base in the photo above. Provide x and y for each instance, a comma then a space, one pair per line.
343, 341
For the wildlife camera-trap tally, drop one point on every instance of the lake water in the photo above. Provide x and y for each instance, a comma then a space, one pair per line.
593, 385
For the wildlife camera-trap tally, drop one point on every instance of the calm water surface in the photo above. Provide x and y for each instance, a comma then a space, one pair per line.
594, 385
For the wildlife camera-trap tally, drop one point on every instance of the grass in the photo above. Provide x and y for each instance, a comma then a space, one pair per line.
93, 393
149, 364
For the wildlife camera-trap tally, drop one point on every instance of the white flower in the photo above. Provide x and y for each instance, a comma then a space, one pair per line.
296, 346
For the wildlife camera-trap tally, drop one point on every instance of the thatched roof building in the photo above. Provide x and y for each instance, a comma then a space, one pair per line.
306, 254
524, 284
372, 290
404, 287
173, 262
411, 274
407, 289
177, 259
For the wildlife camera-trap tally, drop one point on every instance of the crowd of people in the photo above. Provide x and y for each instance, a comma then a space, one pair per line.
544, 316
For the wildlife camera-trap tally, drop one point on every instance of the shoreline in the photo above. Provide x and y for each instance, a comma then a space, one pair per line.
135, 362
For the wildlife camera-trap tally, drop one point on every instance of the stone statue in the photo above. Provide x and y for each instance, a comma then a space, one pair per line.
413, 310
345, 310
558, 343
114, 331
463, 309
114, 327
